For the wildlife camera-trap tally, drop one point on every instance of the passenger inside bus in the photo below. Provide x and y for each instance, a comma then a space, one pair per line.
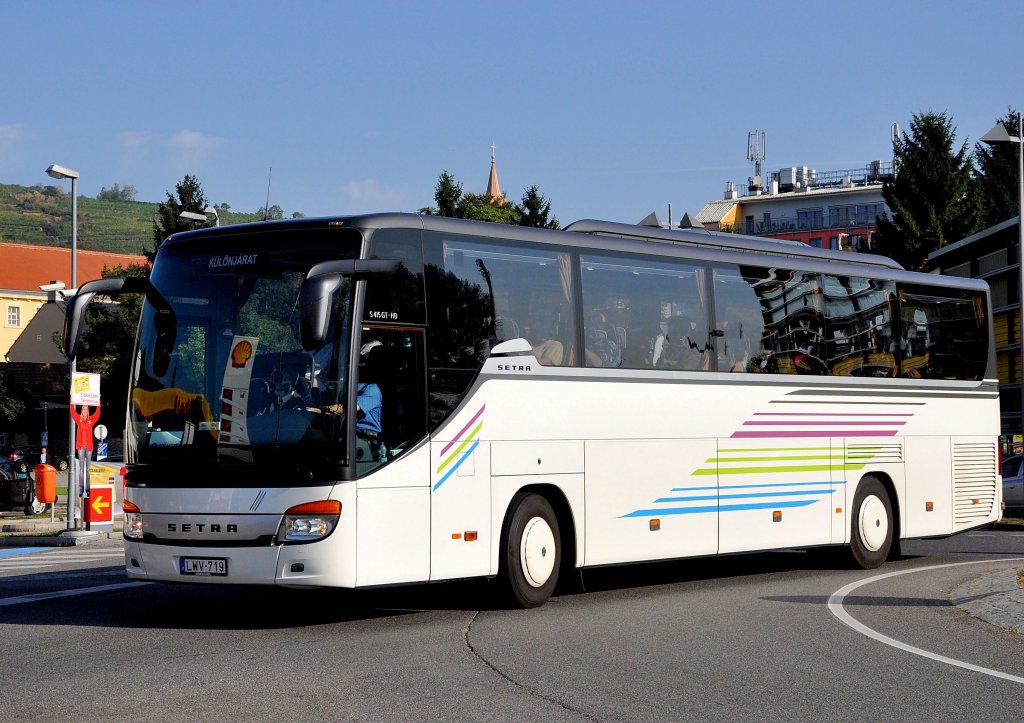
603, 348
679, 350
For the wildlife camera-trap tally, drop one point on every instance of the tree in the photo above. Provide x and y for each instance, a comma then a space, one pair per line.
996, 176
188, 196
486, 208
109, 334
931, 196
448, 196
11, 407
274, 213
117, 193
535, 210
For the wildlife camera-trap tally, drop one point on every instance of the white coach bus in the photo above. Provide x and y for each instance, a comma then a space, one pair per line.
530, 401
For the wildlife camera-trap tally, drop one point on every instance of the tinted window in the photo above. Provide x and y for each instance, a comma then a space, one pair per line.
859, 331
644, 314
944, 333
397, 298
481, 292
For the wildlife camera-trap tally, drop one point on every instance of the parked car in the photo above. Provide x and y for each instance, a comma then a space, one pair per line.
18, 488
30, 453
1013, 482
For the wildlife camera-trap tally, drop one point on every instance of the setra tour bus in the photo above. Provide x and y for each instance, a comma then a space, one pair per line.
397, 398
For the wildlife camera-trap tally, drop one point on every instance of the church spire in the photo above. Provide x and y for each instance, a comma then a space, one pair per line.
493, 189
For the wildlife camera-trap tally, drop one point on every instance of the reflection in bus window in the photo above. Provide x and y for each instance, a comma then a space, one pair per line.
859, 326
944, 333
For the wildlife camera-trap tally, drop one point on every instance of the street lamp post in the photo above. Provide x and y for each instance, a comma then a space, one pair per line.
60, 173
999, 134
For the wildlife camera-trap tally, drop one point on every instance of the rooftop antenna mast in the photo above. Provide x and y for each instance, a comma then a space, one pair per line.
266, 206
756, 148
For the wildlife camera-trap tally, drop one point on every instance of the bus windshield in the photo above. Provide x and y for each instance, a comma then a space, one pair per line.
229, 385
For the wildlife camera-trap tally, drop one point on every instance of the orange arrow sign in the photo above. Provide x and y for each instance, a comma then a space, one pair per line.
99, 504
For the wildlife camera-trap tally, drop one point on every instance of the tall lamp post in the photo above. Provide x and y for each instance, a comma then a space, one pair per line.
60, 173
999, 134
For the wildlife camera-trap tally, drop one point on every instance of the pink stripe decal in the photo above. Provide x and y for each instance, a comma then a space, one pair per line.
464, 430
819, 433
811, 424
825, 414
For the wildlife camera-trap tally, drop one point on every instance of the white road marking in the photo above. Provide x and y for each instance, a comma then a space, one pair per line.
835, 606
21, 599
40, 559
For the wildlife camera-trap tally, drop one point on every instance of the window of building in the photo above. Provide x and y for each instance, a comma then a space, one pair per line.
809, 218
816, 242
13, 315
842, 216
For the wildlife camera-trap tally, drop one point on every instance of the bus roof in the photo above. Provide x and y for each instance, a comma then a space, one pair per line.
612, 235
731, 241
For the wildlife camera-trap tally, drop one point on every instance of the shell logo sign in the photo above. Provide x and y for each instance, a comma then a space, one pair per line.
241, 354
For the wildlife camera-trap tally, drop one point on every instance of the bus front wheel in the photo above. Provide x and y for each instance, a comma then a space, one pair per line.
531, 551
872, 524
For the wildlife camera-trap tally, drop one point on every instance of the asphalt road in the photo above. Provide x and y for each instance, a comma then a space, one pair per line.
739, 638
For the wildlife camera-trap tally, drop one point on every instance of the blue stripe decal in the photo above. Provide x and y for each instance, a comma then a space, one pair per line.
702, 498
743, 487
715, 508
455, 466
22, 551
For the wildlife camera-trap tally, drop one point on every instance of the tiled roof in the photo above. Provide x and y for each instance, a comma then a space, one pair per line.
24, 267
40, 381
35, 344
715, 211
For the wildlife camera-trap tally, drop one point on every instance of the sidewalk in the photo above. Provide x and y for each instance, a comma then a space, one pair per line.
17, 530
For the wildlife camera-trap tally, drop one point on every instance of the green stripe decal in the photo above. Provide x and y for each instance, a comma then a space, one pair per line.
770, 470
774, 449
781, 458
467, 440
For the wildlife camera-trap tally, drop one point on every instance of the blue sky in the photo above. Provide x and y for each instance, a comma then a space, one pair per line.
612, 109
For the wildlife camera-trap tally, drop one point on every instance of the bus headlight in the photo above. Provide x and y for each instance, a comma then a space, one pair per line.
309, 522
132, 521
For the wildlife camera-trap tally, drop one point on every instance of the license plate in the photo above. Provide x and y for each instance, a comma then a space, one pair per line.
203, 566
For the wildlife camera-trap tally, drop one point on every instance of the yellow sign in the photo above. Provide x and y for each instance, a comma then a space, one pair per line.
85, 389
100, 474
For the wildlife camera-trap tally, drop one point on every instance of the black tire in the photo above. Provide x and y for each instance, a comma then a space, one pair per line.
531, 551
871, 524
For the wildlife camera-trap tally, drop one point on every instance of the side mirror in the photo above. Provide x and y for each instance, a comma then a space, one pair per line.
74, 317
317, 293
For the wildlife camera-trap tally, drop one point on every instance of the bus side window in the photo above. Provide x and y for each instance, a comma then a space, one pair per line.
643, 313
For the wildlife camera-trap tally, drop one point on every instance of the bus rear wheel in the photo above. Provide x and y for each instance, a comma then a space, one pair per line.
872, 524
531, 551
